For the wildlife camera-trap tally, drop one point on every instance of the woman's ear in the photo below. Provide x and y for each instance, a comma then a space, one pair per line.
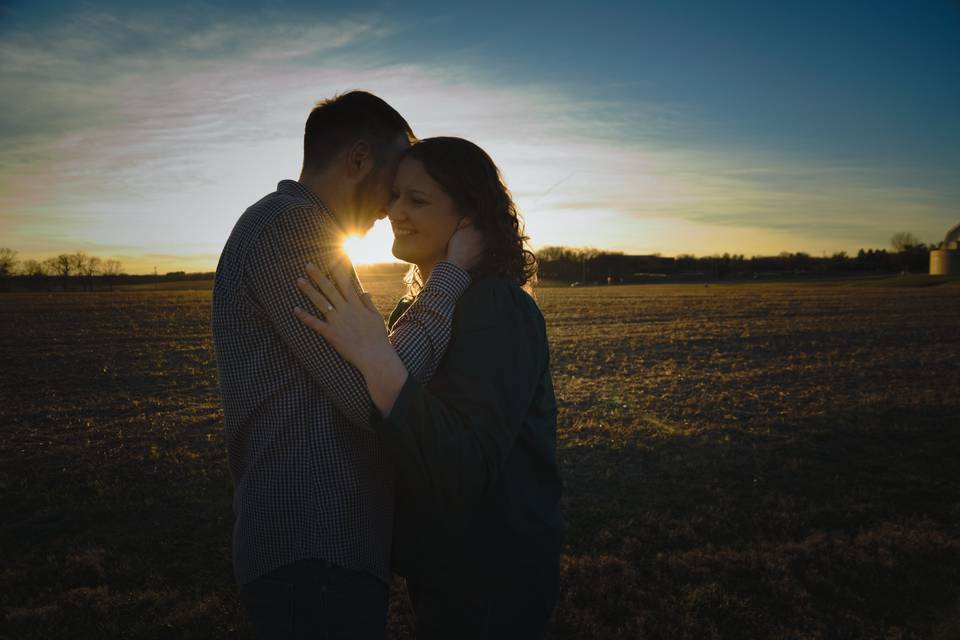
464, 221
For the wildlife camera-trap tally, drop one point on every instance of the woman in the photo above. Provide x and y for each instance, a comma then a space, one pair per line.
477, 529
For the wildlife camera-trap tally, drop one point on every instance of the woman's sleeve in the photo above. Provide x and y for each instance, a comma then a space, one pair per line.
455, 435
398, 310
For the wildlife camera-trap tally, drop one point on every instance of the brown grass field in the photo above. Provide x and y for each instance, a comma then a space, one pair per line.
740, 461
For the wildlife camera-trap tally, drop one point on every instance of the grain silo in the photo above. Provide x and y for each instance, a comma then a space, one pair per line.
945, 259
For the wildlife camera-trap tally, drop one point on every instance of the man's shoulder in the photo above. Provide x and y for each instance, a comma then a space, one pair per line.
277, 207
276, 213
276, 217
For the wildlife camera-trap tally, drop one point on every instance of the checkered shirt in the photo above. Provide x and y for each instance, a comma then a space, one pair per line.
311, 478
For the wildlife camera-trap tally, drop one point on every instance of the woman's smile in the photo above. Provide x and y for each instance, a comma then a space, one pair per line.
400, 231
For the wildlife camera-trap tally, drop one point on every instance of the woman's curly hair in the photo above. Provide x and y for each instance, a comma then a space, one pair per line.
471, 179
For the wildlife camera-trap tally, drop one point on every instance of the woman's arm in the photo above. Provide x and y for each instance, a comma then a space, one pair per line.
354, 327
457, 434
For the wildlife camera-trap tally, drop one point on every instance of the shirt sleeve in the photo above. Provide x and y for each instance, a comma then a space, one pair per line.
398, 311
455, 435
421, 334
279, 257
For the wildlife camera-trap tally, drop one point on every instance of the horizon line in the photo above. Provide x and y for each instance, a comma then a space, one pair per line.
394, 263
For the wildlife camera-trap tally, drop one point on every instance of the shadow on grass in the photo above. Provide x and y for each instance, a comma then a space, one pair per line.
119, 541
840, 527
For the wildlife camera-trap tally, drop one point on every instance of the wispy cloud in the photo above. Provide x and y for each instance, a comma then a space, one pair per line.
154, 132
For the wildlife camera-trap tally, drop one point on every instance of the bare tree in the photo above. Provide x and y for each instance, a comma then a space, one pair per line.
903, 240
78, 262
88, 266
64, 266
111, 269
8, 262
50, 266
34, 268
37, 272
83, 266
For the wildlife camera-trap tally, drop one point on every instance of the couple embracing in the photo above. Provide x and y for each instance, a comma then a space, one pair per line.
424, 447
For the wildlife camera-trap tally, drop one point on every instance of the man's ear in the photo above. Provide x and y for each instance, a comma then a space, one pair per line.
359, 160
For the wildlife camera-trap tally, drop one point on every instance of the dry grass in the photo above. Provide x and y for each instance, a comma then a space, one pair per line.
775, 461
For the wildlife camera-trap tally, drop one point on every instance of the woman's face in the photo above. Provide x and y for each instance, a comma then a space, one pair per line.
423, 216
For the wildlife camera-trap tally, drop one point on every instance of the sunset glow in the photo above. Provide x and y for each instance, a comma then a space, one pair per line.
142, 134
373, 248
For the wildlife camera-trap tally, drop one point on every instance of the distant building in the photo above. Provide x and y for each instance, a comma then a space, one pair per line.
945, 259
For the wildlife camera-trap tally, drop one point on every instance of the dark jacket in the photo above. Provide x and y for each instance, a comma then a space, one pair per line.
478, 488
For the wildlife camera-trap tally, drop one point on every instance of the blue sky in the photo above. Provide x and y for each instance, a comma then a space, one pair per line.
140, 131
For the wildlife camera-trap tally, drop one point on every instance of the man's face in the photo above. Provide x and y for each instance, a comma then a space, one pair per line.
372, 195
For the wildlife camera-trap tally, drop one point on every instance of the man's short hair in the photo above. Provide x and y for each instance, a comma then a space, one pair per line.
344, 119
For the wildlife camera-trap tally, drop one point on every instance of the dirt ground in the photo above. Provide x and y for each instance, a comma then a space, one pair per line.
740, 461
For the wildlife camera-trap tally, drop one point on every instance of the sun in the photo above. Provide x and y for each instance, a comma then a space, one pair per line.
373, 248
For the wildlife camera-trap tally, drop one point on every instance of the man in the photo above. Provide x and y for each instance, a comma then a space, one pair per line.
313, 486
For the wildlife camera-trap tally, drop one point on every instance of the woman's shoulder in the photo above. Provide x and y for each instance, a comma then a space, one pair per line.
493, 289
495, 298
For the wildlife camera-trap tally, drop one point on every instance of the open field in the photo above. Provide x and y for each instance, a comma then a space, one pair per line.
748, 461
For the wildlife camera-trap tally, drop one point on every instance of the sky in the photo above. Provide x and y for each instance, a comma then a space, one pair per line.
141, 131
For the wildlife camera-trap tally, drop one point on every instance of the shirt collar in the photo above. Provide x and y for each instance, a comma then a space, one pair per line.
296, 189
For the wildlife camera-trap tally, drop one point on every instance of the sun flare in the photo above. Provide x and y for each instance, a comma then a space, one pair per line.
373, 248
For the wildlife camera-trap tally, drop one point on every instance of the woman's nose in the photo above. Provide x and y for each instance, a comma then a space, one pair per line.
395, 211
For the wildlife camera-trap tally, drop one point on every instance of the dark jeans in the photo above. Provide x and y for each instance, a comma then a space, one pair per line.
516, 606
317, 600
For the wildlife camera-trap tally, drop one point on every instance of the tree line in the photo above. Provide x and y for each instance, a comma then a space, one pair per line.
587, 265
75, 270
79, 271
